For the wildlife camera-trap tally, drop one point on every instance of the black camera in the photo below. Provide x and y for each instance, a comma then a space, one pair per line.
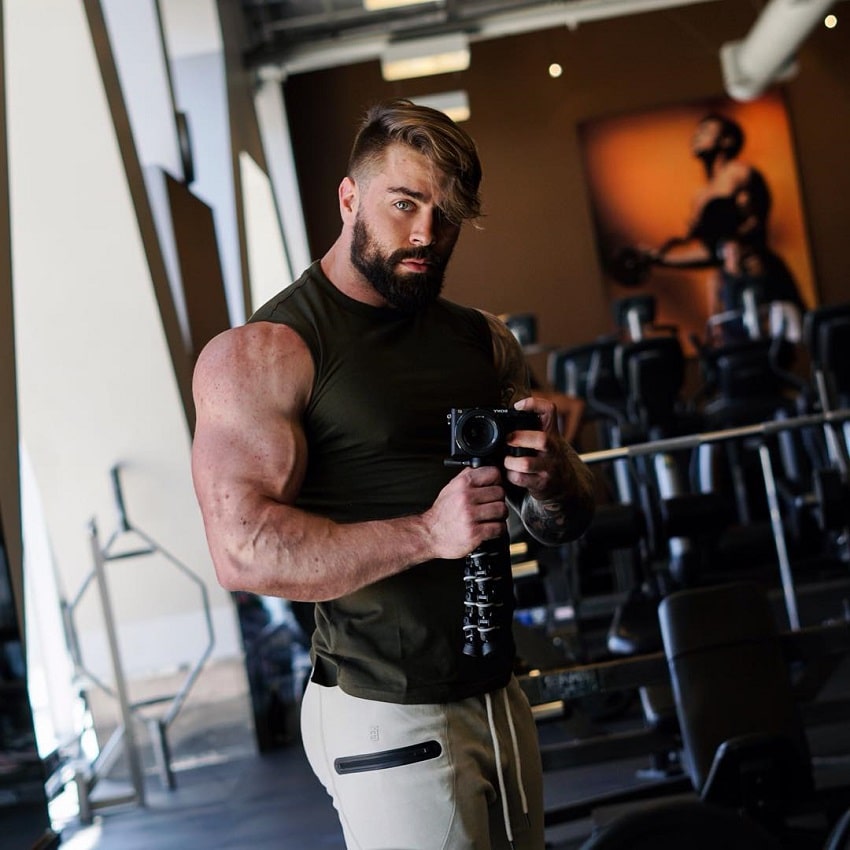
479, 434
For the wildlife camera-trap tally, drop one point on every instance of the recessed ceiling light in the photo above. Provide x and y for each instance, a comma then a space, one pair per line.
380, 5
454, 103
425, 56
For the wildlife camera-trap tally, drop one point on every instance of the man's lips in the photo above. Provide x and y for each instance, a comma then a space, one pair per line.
415, 264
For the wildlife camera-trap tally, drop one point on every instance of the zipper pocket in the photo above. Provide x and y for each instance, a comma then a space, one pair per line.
388, 758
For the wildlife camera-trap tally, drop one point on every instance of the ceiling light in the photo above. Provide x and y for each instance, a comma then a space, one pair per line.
454, 103
423, 57
380, 5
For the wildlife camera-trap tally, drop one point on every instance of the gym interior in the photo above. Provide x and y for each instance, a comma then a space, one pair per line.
168, 165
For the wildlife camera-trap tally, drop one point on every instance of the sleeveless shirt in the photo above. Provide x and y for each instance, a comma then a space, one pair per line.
377, 435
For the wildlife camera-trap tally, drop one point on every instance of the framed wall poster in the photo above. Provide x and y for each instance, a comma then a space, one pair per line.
646, 186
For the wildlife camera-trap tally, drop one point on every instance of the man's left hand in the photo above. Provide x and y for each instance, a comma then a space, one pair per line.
546, 473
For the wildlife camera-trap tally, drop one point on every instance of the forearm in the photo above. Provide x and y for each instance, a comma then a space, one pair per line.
290, 553
266, 545
564, 514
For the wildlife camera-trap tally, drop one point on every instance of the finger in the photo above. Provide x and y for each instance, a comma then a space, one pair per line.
483, 476
492, 512
543, 407
486, 496
491, 531
528, 464
528, 481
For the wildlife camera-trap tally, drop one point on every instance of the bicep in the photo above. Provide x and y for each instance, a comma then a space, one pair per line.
238, 460
249, 443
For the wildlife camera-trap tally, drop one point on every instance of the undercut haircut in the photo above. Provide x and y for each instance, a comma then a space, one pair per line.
434, 135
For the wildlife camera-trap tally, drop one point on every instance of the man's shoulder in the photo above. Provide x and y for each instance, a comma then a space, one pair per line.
278, 303
254, 344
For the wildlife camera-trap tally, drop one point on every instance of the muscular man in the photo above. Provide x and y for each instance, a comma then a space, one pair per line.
319, 467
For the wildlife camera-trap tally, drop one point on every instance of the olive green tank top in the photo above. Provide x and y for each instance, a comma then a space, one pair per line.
377, 435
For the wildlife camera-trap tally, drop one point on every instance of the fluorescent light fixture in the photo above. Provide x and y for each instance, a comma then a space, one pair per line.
454, 103
420, 58
380, 5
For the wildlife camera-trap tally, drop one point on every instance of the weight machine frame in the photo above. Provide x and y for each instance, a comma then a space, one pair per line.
830, 421
87, 775
549, 690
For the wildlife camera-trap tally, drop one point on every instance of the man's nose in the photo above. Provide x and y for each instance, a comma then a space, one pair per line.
423, 229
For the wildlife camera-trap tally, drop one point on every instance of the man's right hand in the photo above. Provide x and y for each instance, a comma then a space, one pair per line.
470, 509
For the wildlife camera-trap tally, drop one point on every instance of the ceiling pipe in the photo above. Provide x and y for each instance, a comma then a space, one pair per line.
340, 51
766, 53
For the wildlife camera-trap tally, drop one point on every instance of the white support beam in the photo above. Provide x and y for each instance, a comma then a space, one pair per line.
767, 53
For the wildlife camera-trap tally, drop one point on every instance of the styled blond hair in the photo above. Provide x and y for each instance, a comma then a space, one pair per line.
433, 134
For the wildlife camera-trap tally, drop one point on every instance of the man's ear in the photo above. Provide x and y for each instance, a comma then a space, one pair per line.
347, 198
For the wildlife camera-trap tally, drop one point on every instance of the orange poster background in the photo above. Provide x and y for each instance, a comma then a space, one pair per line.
642, 178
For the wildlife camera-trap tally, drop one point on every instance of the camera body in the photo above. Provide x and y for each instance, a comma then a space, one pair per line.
479, 434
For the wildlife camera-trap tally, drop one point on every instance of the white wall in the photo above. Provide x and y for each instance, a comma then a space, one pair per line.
96, 385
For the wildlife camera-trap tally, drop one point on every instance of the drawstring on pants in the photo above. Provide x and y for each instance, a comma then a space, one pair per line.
497, 752
517, 761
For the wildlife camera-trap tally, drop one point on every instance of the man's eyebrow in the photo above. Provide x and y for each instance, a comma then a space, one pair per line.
410, 193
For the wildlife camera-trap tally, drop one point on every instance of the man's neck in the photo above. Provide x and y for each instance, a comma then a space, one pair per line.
339, 270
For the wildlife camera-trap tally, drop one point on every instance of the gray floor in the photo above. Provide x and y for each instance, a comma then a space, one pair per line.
254, 801
237, 799
273, 802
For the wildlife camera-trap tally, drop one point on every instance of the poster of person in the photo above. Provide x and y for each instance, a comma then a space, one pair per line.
697, 204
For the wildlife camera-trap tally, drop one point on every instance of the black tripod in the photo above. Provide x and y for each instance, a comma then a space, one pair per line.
478, 438
484, 597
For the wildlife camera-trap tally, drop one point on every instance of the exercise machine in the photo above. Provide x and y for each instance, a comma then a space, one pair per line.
745, 695
127, 543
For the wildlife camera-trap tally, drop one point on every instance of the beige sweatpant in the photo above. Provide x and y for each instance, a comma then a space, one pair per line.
424, 777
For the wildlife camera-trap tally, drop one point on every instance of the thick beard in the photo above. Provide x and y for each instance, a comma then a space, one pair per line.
408, 293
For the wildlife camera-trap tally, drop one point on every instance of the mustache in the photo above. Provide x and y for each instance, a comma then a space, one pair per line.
425, 254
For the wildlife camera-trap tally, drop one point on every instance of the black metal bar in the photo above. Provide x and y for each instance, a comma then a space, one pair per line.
614, 746
570, 683
649, 791
119, 498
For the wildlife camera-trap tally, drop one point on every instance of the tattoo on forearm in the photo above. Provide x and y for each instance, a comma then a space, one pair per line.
565, 516
544, 519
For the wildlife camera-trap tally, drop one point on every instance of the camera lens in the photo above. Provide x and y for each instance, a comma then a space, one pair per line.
477, 433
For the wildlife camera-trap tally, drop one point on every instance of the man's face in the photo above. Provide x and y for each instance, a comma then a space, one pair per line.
401, 242
408, 291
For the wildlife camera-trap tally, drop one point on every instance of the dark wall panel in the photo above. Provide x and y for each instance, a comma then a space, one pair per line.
200, 269
819, 101
10, 500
